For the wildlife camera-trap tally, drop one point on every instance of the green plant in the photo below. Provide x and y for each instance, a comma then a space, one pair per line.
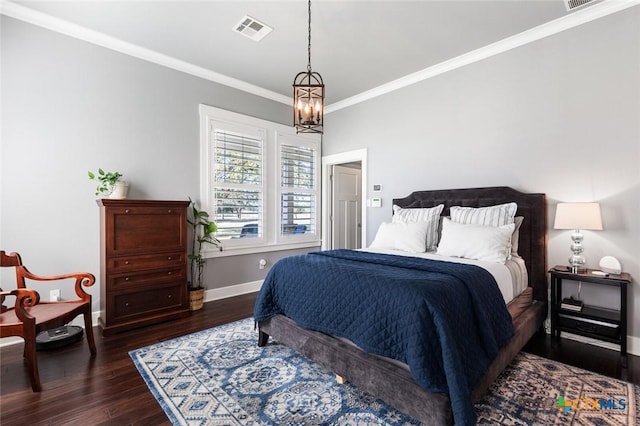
106, 181
202, 231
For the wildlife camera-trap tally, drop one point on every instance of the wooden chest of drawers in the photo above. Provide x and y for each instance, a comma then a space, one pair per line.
143, 263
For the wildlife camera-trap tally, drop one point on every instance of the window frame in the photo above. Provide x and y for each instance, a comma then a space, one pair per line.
275, 134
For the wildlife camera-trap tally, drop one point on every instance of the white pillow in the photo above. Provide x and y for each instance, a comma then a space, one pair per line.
405, 236
498, 215
490, 243
430, 214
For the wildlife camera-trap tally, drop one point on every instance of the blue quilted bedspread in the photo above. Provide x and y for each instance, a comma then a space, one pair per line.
445, 320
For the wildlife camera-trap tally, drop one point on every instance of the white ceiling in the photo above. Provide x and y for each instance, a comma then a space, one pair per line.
357, 46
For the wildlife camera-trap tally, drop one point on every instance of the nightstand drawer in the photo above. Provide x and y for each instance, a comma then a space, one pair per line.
586, 325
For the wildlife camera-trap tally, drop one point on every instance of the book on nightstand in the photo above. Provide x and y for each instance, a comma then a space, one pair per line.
571, 304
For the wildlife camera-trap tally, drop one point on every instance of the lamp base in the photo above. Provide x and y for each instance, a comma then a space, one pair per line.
577, 261
577, 269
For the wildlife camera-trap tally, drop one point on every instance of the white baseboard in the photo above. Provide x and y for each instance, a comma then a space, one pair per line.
633, 343
6, 341
231, 291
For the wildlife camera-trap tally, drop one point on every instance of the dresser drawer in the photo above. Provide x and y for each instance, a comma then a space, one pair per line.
140, 229
140, 304
137, 279
147, 261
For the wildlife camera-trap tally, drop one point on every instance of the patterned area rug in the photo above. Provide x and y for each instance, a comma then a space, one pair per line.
221, 377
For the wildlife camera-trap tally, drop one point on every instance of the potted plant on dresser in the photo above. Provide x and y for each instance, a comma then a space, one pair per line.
109, 184
202, 232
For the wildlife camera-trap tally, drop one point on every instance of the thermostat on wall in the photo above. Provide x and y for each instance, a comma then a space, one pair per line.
376, 202
377, 188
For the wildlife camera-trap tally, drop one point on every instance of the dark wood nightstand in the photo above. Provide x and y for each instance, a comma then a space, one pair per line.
609, 325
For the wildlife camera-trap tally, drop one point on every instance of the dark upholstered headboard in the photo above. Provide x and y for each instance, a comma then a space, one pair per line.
533, 232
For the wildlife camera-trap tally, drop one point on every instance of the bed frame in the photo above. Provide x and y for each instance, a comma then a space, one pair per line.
394, 384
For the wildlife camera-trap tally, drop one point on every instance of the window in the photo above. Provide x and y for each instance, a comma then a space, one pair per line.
259, 182
298, 192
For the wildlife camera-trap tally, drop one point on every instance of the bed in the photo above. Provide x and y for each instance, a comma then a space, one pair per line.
393, 381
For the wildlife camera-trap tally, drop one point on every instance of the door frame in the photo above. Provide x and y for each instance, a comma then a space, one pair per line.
328, 161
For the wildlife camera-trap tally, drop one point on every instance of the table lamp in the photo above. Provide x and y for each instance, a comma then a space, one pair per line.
578, 216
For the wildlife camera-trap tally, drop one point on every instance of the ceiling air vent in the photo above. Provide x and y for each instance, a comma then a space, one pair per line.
252, 28
574, 4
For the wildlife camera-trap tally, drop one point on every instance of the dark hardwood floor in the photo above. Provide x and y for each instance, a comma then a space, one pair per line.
588, 357
107, 390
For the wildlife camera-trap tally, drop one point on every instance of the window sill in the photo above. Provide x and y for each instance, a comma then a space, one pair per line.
239, 251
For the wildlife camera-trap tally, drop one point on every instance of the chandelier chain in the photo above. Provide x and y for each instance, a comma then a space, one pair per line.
309, 47
308, 95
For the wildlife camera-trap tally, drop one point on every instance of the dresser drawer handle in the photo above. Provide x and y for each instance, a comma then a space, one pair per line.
126, 262
169, 273
126, 211
169, 296
168, 257
169, 211
126, 278
126, 304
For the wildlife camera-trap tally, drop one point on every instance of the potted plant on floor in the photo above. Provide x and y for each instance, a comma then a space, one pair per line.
109, 184
202, 232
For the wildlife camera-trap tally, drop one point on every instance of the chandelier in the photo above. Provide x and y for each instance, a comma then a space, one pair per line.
308, 97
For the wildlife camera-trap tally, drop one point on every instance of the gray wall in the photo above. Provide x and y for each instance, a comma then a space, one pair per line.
68, 107
559, 116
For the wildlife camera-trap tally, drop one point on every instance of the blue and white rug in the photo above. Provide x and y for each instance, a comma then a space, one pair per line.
220, 376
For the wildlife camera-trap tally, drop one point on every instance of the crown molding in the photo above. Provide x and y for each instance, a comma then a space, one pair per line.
588, 14
61, 26
583, 16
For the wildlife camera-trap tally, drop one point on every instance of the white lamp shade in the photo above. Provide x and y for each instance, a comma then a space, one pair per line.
585, 216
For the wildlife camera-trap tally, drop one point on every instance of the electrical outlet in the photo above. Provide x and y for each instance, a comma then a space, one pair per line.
54, 295
262, 264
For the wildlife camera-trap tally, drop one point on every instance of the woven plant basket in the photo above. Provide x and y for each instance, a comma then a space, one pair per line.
196, 299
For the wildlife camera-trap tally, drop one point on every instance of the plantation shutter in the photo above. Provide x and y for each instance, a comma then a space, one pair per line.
298, 184
238, 184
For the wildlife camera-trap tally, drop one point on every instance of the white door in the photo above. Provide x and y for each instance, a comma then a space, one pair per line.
346, 211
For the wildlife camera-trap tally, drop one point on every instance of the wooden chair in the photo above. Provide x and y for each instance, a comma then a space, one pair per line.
30, 315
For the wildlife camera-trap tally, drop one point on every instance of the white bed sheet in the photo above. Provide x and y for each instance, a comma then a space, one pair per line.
511, 277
